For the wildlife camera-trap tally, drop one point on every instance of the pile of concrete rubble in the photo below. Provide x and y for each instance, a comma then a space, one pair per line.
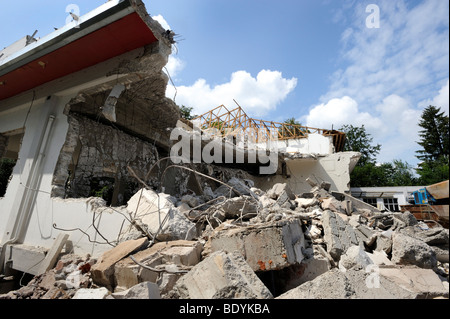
241, 242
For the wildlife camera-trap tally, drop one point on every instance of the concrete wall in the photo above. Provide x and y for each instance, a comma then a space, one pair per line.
316, 144
28, 211
334, 168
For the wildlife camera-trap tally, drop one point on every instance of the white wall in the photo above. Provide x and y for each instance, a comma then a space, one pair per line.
334, 168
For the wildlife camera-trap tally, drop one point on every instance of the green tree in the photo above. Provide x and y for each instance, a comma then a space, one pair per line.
434, 140
358, 140
403, 174
293, 127
186, 113
434, 136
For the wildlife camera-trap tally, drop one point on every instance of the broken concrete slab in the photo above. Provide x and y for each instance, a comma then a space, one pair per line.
143, 290
366, 234
384, 242
158, 213
407, 250
354, 258
266, 246
332, 204
103, 271
338, 235
180, 252
378, 283
85, 293
423, 283
278, 189
239, 206
379, 258
240, 187
221, 276
307, 202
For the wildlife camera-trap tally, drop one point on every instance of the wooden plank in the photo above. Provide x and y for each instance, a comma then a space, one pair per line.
438, 190
50, 259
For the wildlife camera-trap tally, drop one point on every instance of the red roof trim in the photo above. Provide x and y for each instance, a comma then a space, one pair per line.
119, 37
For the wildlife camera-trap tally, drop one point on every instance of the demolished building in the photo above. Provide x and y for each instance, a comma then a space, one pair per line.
96, 206
77, 107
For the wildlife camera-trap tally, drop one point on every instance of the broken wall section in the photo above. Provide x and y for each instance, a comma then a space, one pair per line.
94, 159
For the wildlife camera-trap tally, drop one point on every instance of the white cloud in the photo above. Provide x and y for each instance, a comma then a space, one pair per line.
174, 66
386, 72
257, 95
338, 112
441, 100
162, 21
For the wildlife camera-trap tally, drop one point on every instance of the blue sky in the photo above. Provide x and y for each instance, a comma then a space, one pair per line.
313, 60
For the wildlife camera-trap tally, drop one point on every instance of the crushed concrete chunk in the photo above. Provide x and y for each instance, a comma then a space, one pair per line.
278, 189
377, 283
84, 293
158, 212
338, 235
354, 258
265, 247
143, 290
407, 250
179, 252
221, 276
238, 185
103, 271
239, 206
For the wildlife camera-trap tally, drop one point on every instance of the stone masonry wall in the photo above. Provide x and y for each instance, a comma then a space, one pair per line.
93, 162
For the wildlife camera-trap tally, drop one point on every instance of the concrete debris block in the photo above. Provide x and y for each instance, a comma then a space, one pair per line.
366, 234
313, 267
432, 236
284, 201
143, 290
98, 293
239, 206
148, 202
383, 243
266, 201
267, 246
330, 285
180, 252
313, 232
423, 283
325, 185
332, 204
278, 189
221, 276
192, 201
354, 258
103, 271
241, 186
177, 227
158, 213
307, 202
376, 283
407, 218
407, 250
379, 258
183, 253
311, 182
338, 235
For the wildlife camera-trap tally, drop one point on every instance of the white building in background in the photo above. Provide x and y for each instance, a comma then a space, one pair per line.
389, 197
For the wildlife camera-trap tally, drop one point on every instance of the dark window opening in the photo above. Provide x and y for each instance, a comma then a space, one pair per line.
103, 187
10, 143
391, 204
372, 201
